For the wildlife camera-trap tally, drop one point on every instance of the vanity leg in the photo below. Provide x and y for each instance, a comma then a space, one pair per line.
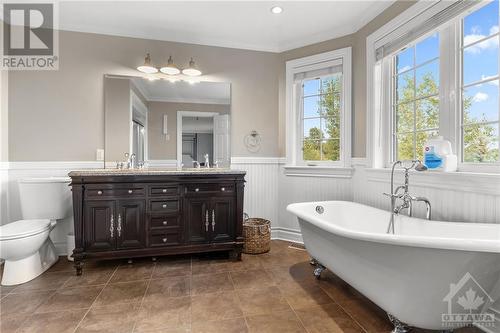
313, 261
399, 327
235, 254
318, 270
78, 264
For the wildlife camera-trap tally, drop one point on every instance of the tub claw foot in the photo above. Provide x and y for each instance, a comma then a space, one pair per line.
318, 270
399, 327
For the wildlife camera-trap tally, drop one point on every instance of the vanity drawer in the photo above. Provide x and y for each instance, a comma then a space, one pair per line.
165, 239
98, 192
164, 206
163, 190
209, 188
161, 222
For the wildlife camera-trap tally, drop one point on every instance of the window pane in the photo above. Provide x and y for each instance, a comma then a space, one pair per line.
427, 49
405, 146
404, 60
404, 87
330, 104
481, 143
332, 84
404, 117
481, 23
330, 127
312, 129
422, 138
311, 106
428, 79
427, 113
311, 87
311, 150
481, 61
331, 150
480, 103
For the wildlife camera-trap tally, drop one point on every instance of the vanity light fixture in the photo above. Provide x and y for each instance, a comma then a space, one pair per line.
170, 68
276, 10
147, 67
191, 70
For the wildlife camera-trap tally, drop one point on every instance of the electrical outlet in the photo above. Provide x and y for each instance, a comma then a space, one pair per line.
99, 156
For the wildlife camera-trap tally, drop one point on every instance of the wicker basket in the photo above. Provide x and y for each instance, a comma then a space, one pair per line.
257, 233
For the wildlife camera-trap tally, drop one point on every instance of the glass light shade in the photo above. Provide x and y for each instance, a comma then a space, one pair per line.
191, 70
147, 67
170, 69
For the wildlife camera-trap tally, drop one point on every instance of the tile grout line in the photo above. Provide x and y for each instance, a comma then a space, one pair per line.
239, 302
91, 305
144, 296
191, 293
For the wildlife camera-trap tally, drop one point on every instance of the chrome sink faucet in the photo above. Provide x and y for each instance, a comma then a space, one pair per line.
207, 161
402, 193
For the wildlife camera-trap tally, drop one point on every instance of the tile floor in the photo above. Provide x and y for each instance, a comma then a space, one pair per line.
273, 292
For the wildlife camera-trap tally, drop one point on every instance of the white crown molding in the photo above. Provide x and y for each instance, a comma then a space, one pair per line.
257, 160
218, 101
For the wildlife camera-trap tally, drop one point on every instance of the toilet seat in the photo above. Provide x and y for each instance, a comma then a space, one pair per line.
25, 228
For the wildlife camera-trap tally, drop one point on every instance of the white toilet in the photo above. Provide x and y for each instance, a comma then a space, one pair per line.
25, 245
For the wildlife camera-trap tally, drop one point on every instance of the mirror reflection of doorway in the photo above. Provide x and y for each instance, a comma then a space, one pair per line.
201, 134
138, 142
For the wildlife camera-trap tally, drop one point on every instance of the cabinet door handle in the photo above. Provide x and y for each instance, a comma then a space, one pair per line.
130, 191
213, 219
206, 220
119, 227
112, 226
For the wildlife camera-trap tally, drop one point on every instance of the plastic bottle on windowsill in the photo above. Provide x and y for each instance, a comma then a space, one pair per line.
438, 155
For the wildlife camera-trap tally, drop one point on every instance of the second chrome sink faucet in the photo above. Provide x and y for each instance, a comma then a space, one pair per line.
406, 198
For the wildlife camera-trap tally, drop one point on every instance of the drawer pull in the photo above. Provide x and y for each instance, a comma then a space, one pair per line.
164, 240
164, 205
164, 190
130, 191
197, 190
223, 189
99, 192
164, 222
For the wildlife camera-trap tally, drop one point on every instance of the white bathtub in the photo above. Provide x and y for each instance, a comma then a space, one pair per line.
407, 274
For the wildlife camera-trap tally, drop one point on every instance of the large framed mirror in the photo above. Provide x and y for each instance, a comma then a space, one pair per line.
167, 124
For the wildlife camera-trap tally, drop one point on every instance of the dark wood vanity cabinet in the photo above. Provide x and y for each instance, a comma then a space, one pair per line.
134, 214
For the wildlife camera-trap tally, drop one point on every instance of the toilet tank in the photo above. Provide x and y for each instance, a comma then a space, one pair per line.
45, 198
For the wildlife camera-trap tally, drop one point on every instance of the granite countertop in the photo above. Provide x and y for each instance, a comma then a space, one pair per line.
155, 172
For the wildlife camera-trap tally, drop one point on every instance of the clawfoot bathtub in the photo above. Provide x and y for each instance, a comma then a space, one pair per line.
420, 275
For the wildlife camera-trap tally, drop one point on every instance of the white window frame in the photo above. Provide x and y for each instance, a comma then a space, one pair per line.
294, 133
380, 122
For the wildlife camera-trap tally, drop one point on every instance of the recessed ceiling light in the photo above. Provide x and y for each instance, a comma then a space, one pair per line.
276, 10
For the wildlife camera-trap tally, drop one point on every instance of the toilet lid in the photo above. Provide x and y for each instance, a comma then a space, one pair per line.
23, 228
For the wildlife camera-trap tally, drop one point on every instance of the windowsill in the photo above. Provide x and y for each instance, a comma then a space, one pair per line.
484, 183
318, 171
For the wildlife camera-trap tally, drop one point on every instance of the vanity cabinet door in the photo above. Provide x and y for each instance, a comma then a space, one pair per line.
222, 219
197, 219
131, 224
99, 221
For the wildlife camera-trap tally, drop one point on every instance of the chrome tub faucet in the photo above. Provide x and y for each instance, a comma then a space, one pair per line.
402, 193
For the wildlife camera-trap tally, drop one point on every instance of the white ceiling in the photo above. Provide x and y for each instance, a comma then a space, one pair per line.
184, 92
236, 24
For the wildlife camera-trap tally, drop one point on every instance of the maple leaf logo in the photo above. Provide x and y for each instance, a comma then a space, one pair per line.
470, 301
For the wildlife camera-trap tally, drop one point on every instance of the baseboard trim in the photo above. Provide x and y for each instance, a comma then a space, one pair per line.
287, 234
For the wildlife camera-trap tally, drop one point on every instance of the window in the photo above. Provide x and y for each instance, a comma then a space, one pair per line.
416, 97
444, 80
319, 109
479, 85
